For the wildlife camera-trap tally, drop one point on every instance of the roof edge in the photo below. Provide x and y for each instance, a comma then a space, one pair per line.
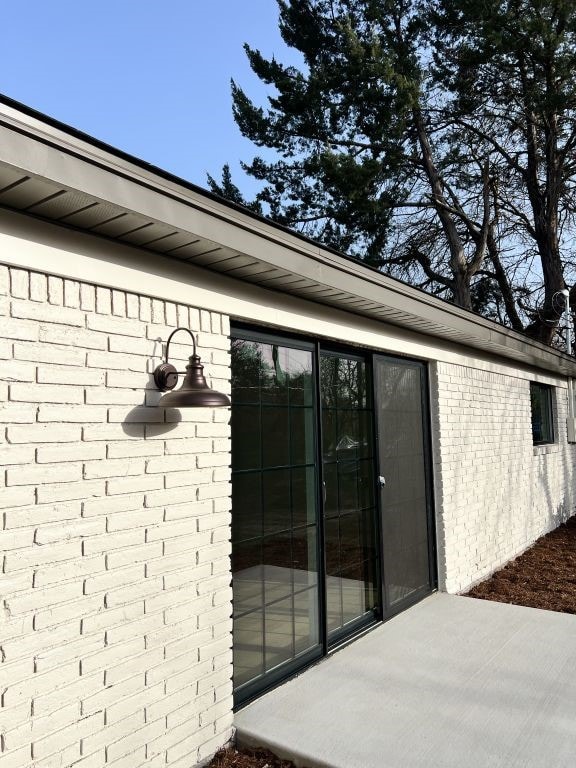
101, 154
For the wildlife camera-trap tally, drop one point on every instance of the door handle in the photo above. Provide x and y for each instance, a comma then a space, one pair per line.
381, 481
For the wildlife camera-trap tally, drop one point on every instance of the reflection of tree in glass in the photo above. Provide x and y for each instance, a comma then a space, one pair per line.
269, 367
343, 382
247, 364
291, 368
344, 395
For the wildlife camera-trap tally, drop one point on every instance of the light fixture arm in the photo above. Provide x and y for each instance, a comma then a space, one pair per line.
166, 375
170, 339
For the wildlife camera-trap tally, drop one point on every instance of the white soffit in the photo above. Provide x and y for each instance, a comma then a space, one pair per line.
56, 174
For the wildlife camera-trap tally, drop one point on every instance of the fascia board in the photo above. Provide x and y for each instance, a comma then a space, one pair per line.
219, 224
41, 150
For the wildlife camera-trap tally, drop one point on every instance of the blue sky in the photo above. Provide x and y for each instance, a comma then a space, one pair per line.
149, 77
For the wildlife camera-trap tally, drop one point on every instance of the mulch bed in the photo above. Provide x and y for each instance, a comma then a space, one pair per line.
248, 758
543, 577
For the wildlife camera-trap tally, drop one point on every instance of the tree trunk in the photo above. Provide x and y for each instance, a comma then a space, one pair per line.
544, 200
504, 285
460, 283
544, 326
460, 287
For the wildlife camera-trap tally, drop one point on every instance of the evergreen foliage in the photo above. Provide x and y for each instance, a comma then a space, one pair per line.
435, 140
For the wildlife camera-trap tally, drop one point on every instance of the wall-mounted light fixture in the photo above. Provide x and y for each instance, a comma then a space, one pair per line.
194, 392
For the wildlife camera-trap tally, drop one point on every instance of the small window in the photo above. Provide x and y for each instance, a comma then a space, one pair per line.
542, 421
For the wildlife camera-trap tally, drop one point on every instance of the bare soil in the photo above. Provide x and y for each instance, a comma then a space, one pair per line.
543, 577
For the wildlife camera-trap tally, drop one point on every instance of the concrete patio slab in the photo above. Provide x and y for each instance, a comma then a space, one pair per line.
453, 682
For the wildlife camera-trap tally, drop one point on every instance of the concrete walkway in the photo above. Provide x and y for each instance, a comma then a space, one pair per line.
451, 683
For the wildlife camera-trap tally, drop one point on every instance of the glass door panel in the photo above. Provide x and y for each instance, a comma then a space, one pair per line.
406, 538
274, 501
351, 564
303, 580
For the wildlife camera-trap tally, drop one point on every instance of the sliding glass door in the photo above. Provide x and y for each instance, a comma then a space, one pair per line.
322, 545
275, 560
351, 562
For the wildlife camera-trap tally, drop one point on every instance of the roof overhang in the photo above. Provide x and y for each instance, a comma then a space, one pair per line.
50, 171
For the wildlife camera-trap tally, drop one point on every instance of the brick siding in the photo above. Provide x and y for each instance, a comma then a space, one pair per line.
496, 492
115, 600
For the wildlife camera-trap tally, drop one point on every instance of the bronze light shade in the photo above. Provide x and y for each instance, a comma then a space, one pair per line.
194, 392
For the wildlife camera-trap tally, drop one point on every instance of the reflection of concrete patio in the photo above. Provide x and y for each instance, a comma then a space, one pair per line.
452, 682
291, 613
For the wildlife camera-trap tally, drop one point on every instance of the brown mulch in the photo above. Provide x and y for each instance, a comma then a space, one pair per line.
248, 758
543, 577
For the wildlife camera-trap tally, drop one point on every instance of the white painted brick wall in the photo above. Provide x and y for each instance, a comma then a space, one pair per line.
496, 492
115, 596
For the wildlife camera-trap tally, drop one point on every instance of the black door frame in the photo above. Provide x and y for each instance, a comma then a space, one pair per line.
275, 677
387, 611
253, 332
360, 625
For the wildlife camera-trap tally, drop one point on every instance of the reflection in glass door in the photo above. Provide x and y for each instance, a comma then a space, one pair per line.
351, 560
274, 501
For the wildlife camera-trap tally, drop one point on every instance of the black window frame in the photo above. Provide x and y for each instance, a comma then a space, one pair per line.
545, 425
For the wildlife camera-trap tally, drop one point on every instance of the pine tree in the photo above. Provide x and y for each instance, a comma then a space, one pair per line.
509, 67
226, 188
434, 140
